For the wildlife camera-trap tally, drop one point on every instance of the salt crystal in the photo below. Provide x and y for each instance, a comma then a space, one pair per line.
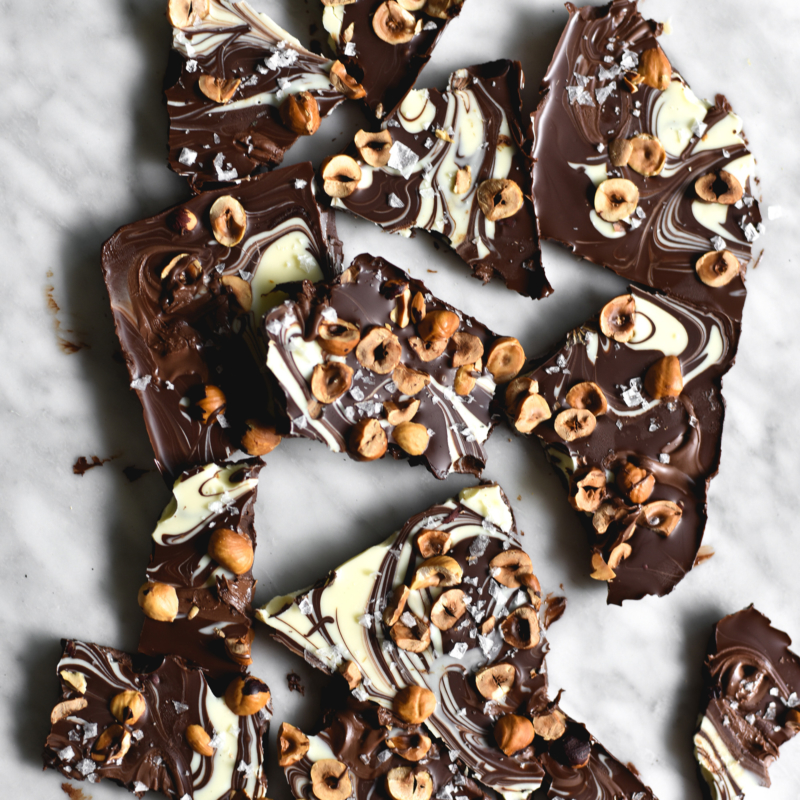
331, 656
141, 383
497, 593
224, 174
191, 65
282, 57
699, 128
769, 714
459, 650
407, 618
85, 766
360, 694
469, 580
578, 95
429, 26
364, 758
486, 644
640, 212
604, 74
718, 243
66, 754
365, 620
600, 148
403, 159
478, 547
608, 59
663, 458
244, 767
427, 192
300, 183
138, 786
602, 94
750, 719
350, 49
384, 755
749, 230
632, 395
637, 113
187, 157
775, 691
653, 425
394, 201
792, 701
89, 731
180, 708
306, 605
619, 424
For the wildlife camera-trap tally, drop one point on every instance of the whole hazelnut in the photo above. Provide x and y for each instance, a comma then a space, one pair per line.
414, 704
159, 601
246, 696
513, 733
300, 113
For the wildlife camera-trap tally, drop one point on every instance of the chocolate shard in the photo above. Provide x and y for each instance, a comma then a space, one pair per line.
750, 704
187, 307
129, 719
373, 363
609, 91
231, 70
386, 59
212, 627
456, 163
591, 402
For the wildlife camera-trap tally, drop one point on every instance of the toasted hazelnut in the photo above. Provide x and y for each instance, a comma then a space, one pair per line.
521, 629
619, 151
300, 113
600, 570
577, 751
193, 612
427, 351
368, 440
111, 744
439, 324
606, 514
465, 380
351, 672
185, 13
199, 740
402, 783
344, 83
393, 24
246, 696
618, 318
661, 516
488, 625
414, 638
77, 680
396, 414
618, 554
499, 199
159, 601
587, 489
448, 609
414, 704
647, 156
409, 381
616, 199
463, 180
528, 412
293, 744
505, 359
411, 437
396, 605
338, 338
128, 707
220, 90
718, 268
210, 404
513, 733
550, 725
182, 220
340, 176
410, 746
444, 9
655, 69
469, 349
664, 378
719, 187
437, 571
379, 351
588, 395
228, 220
259, 439
575, 423
240, 290
496, 681
330, 780
632, 81
792, 720
237, 648
519, 388
401, 313
374, 148
636, 483
418, 310
507, 567
433, 543
330, 381
67, 707
231, 550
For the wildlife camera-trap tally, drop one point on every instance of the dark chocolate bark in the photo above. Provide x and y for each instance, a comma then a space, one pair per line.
475, 124
212, 628
186, 328
677, 441
750, 705
386, 71
213, 143
586, 105
151, 751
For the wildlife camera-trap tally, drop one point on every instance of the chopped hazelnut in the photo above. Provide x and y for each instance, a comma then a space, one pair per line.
237, 648
240, 290
661, 516
719, 187
409, 381
379, 351
199, 740
393, 24
647, 156
259, 439
300, 113
427, 351
718, 268
395, 414
655, 69
340, 175
448, 609
469, 348
344, 83
513, 733
77, 680
329, 381
368, 440
508, 567
185, 13
521, 629
588, 395
444, 9
351, 672
403, 783
664, 378
330, 780
410, 746
529, 411
488, 625
439, 324
210, 404
618, 554
246, 696
606, 514
401, 313
220, 90
600, 570
636, 483
618, 318
228, 220
411, 638
183, 220
231, 550
418, 308
437, 571
128, 707
495, 682
414, 704
112, 744
159, 601
463, 180
792, 720
465, 380
396, 605
587, 489
575, 423
505, 359
616, 199
374, 148
293, 744
499, 199
66, 708
433, 543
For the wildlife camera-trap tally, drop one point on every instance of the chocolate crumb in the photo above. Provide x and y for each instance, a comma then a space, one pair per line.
633, 769
294, 683
554, 609
83, 465
74, 792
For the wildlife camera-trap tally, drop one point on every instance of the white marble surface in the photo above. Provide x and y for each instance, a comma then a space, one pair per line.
82, 152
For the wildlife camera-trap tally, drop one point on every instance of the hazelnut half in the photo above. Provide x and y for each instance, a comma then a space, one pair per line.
199, 740
448, 609
351, 672
606, 514
619, 151
159, 601
600, 570
330, 780
210, 404
344, 83
409, 381
433, 543
636, 483
520, 628
340, 175
465, 380
505, 359
185, 13
293, 744
410, 746
128, 707
618, 318
496, 681
587, 489
240, 290
575, 423
259, 439
220, 90
427, 351
330, 381
463, 180
513, 733
616, 199
519, 388
618, 554
395, 414
374, 148
438, 324
246, 696
414, 638
588, 395
437, 571
393, 24
379, 351
499, 198
368, 440
469, 348
418, 309
529, 411
300, 113
647, 156
228, 220
443, 9
402, 783
396, 605
411, 437
231, 550
509, 566
183, 220
664, 378
237, 648
67, 707
414, 704
719, 187
655, 69
338, 338
661, 516
718, 268
550, 725
111, 744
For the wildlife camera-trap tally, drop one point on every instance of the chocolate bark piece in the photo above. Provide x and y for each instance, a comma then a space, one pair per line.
642, 464
140, 740
386, 70
257, 66
372, 294
212, 627
751, 704
445, 148
343, 618
194, 325
588, 105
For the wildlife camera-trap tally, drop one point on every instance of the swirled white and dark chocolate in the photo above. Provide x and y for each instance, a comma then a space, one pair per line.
152, 751
214, 603
477, 124
751, 704
585, 106
386, 71
676, 440
213, 143
183, 329
366, 296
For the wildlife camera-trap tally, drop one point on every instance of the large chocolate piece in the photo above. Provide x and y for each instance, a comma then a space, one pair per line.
446, 147
449, 427
212, 625
751, 704
587, 104
139, 740
249, 66
195, 325
639, 466
386, 70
